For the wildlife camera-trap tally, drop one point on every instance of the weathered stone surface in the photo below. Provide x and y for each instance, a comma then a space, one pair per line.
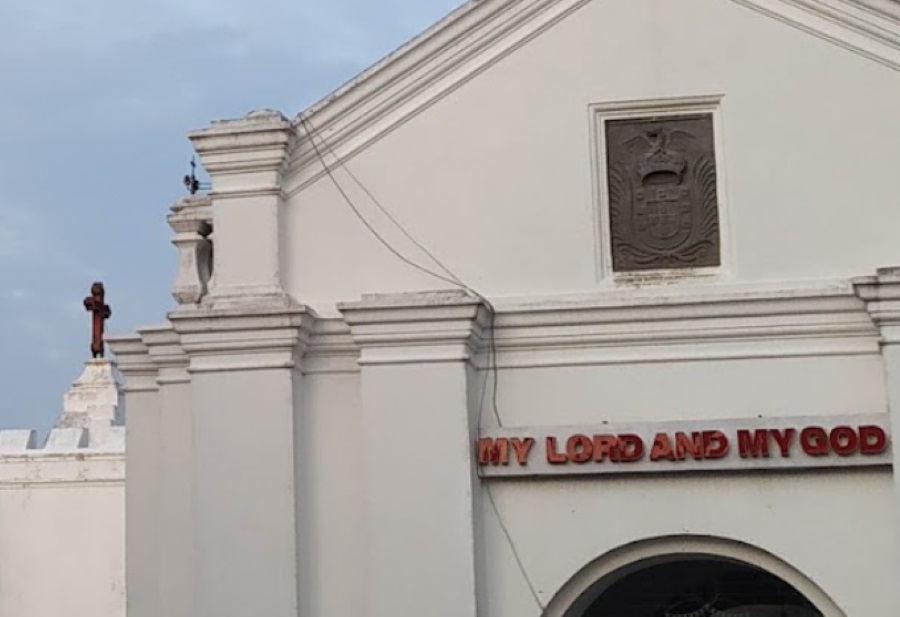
663, 207
93, 402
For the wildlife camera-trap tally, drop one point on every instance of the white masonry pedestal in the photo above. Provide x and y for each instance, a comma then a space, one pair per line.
91, 407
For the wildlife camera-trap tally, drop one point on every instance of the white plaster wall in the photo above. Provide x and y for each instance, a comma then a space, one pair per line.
838, 529
331, 526
827, 525
496, 177
62, 535
720, 389
243, 501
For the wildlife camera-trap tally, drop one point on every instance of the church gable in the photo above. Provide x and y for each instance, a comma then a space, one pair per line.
494, 129
481, 32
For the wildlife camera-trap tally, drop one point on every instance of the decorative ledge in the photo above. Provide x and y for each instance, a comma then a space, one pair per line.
421, 327
698, 324
133, 360
882, 296
479, 34
252, 336
259, 142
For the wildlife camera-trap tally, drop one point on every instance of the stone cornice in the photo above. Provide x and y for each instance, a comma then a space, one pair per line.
247, 338
163, 345
331, 349
720, 323
259, 142
882, 296
191, 215
165, 351
454, 50
479, 34
870, 28
133, 362
416, 327
50, 469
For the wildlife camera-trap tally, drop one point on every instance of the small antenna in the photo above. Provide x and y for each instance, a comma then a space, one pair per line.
191, 183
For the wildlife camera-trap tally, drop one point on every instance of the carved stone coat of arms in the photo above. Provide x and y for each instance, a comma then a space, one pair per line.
663, 205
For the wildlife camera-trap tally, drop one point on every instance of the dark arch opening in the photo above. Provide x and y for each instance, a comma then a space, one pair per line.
695, 586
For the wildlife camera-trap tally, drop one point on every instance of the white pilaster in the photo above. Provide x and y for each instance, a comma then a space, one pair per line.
419, 427
246, 159
882, 296
142, 504
244, 387
175, 459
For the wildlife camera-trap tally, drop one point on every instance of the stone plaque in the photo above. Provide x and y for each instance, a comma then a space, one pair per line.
663, 207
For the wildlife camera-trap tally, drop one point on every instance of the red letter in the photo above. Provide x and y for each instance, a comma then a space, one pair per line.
579, 448
631, 448
872, 440
814, 441
522, 447
554, 457
844, 441
715, 444
487, 453
495, 452
606, 445
688, 444
662, 448
756, 446
783, 439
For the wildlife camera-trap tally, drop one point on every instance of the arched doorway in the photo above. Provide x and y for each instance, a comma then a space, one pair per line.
690, 576
699, 586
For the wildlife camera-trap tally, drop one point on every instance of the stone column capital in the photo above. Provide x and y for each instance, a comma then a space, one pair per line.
134, 363
881, 293
248, 153
164, 350
246, 337
418, 327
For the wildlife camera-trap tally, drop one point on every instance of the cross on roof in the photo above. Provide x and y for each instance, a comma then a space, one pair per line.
100, 311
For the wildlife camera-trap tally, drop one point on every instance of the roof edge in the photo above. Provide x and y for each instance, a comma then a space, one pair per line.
886, 8
870, 28
398, 55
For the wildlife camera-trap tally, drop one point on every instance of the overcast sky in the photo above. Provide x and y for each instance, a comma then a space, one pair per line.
97, 96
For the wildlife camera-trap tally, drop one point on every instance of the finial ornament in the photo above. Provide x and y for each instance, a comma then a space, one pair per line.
191, 183
95, 304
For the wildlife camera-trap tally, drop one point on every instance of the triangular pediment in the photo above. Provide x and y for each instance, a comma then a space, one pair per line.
480, 33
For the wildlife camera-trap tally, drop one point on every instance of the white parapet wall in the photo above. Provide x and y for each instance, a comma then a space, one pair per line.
62, 507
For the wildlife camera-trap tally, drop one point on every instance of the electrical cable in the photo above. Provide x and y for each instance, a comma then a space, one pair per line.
453, 279
365, 222
493, 369
515, 551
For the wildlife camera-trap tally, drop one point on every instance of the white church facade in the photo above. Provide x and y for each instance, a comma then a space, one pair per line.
567, 308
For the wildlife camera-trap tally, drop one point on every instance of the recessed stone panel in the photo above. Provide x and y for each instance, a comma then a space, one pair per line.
663, 204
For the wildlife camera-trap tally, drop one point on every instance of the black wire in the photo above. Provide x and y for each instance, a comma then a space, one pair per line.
310, 131
493, 369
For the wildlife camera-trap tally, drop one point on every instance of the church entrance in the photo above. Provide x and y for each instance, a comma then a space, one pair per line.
700, 586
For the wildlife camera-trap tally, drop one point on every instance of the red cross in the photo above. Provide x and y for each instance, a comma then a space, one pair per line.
101, 312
